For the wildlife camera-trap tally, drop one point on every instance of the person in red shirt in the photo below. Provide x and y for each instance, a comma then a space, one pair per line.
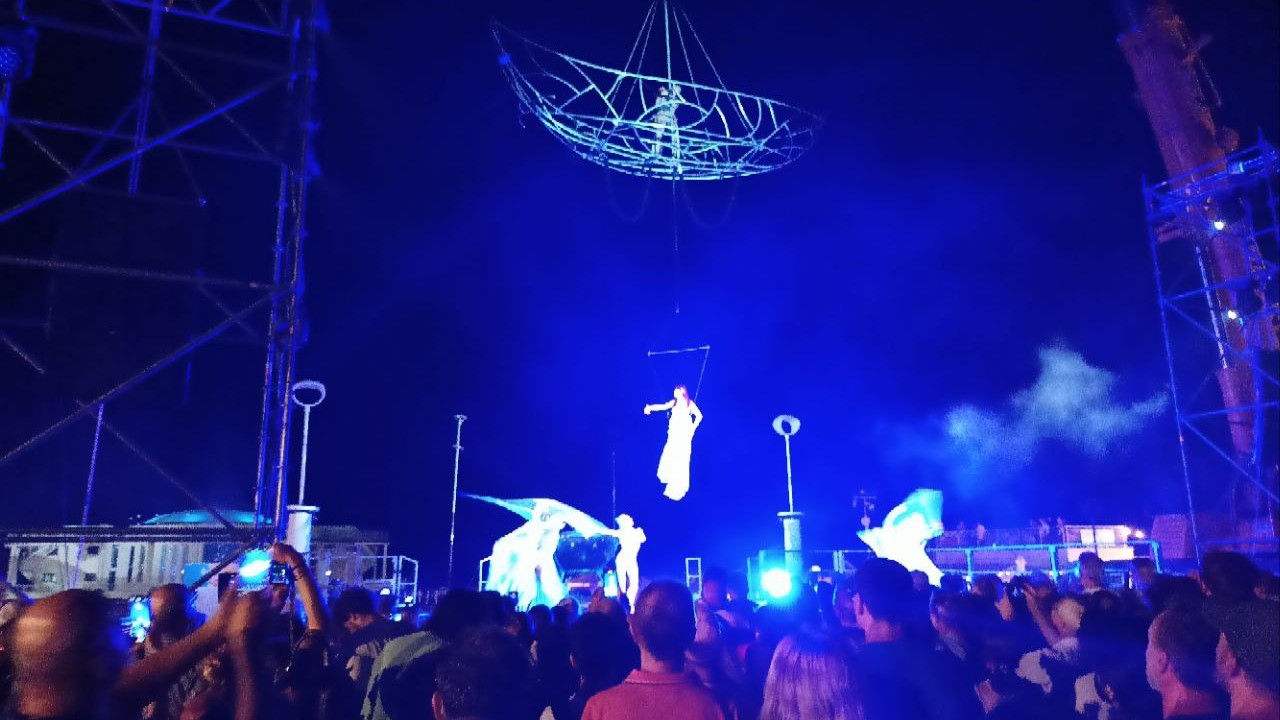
663, 627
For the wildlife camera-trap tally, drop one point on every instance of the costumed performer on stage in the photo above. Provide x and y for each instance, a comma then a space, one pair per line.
673, 466
524, 562
905, 531
627, 563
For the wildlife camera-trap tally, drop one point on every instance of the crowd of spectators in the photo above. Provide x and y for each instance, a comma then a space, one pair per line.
877, 645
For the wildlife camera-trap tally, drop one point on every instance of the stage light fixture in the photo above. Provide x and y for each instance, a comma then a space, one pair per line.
1233, 315
17, 51
776, 583
1219, 225
815, 568
384, 591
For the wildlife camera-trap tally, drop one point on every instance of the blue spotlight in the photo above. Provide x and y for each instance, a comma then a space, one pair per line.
254, 568
776, 583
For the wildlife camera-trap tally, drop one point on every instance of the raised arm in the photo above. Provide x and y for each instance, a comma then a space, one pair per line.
659, 408
144, 680
304, 583
696, 413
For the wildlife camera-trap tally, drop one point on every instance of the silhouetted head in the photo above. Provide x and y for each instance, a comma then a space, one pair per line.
68, 652
170, 611
663, 622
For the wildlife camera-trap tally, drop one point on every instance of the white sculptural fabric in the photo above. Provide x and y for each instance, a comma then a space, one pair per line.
524, 563
627, 563
905, 531
523, 560
673, 466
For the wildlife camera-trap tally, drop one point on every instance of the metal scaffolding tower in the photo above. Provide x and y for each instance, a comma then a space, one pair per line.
1220, 329
153, 200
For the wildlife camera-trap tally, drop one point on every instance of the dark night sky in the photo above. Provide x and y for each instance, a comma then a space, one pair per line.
974, 196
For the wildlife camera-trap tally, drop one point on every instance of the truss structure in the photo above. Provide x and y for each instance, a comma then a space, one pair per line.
160, 150
1221, 338
652, 117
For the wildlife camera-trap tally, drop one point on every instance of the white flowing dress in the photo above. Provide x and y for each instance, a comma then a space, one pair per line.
673, 466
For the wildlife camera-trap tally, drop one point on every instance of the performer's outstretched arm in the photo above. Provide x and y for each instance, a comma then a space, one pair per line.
659, 408
696, 413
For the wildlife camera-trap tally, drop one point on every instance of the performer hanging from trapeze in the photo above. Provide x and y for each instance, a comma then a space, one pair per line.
673, 467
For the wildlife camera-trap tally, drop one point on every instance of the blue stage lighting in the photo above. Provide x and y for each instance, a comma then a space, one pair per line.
776, 583
254, 568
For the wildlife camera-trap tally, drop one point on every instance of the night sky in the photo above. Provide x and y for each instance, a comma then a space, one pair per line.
974, 197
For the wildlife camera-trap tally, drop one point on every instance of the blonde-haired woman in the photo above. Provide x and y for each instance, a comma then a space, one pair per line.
811, 678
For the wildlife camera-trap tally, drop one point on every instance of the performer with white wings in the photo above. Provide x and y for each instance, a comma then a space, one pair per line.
905, 531
523, 561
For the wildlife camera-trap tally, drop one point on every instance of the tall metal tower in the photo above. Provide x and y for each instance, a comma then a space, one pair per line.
1213, 228
153, 199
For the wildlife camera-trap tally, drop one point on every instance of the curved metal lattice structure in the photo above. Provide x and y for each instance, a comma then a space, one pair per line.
652, 118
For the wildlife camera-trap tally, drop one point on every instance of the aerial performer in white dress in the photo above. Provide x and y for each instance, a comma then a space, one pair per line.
673, 466
627, 563
905, 531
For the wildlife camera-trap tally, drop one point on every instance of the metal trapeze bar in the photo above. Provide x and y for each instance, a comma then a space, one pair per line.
133, 273
146, 372
112, 134
204, 17
702, 348
88, 175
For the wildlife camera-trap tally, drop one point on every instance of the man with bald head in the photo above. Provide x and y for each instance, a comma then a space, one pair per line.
172, 618
663, 626
171, 615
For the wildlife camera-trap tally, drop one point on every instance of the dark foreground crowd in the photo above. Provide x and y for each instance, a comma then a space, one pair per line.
880, 644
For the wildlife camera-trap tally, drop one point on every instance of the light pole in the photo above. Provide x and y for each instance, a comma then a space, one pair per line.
302, 515
453, 508
792, 543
